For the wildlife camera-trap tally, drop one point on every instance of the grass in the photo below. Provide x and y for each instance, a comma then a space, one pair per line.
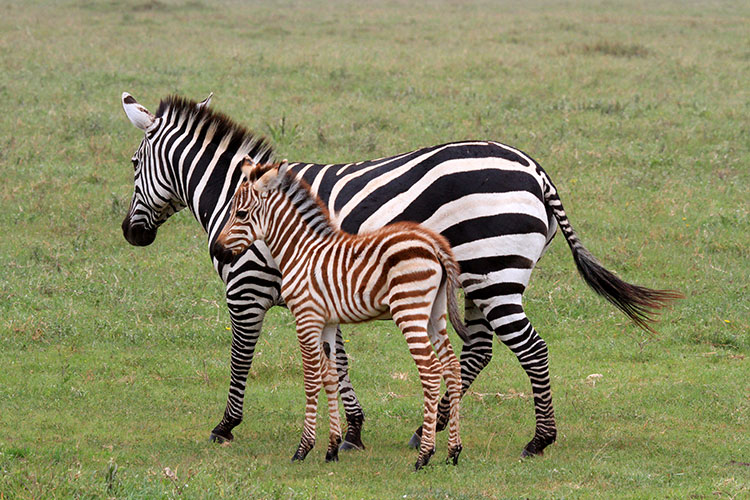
114, 360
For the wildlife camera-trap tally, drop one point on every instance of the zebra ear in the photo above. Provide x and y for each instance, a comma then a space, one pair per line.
249, 169
138, 115
205, 102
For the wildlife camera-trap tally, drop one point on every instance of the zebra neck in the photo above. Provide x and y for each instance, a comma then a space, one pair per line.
207, 184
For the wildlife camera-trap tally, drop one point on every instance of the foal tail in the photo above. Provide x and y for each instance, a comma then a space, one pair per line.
452, 270
639, 303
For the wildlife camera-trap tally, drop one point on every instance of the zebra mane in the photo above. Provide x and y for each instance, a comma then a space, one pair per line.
313, 212
239, 138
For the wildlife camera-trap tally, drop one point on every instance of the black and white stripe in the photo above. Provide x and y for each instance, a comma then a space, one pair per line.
495, 205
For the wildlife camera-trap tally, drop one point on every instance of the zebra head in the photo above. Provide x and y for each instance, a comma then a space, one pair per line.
246, 219
154, 198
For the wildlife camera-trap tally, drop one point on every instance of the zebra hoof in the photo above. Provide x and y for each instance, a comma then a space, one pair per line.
536, 446
332, 455
424, 460
415, 441
347, 446
453, 455
218, 439
300, 454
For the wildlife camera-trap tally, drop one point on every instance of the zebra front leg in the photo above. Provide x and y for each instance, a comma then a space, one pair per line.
355, 417
309, 335
475, 355
330, 379
246, 326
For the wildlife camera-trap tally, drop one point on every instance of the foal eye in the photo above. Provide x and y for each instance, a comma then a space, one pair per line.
241, 214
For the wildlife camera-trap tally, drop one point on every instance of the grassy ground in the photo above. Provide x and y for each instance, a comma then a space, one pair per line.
114, 360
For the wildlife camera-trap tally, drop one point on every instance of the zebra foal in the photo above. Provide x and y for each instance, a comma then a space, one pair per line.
331, 277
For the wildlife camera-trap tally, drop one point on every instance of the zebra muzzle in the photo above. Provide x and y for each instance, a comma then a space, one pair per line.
138, 234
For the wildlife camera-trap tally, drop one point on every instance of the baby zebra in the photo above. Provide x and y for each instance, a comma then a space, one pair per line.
331, 277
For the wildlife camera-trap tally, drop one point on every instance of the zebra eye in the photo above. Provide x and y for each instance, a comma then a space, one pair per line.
241, 214
134, 161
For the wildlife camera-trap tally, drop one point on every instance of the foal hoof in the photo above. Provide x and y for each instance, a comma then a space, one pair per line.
422, 461
332, 455
453, 455
299, 455
415, 441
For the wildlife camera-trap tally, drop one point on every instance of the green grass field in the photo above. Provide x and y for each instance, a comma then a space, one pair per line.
114, 360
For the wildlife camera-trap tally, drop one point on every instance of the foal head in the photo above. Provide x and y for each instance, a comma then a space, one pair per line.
246, 221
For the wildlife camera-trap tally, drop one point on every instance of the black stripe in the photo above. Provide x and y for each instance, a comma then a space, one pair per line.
486, 265
493, 225
495, 290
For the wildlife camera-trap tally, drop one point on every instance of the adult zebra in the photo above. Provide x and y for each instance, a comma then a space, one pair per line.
494, 204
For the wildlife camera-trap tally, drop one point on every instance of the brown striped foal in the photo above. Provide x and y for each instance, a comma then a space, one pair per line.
331, 277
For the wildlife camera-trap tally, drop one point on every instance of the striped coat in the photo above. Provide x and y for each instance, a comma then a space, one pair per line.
331, 277
496, 206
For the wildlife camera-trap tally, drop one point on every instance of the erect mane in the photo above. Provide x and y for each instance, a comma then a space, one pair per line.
177, 108
314, 213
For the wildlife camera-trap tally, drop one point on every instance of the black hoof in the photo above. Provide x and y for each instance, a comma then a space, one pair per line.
332, 455
415, 441
219, 439
347, 446
536, 446
453, 455
422, 461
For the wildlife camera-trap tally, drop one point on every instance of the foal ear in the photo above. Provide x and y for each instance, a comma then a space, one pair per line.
205, 102
138, 115
266, 181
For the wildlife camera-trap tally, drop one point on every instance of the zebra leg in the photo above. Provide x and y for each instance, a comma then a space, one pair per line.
451, 370
413, 323
355, 417
331, 383
516, 332
475, 355
246, 325
308, 335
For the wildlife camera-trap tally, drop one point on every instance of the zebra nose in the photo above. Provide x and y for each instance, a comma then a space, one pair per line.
222, 253
138, 234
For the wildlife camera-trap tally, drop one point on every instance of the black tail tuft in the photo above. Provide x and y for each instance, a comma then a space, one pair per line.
639, 303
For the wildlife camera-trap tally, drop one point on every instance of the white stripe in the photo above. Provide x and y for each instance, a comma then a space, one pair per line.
395, 205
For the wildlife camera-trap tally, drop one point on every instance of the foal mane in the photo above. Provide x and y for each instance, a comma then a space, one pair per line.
312, 210
180, 109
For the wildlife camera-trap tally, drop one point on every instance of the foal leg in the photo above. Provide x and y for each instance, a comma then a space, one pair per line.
475, 355
451, 371
331, 384
412, 319
308, 335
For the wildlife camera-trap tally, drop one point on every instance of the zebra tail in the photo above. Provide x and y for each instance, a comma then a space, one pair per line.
452, 270
639, 303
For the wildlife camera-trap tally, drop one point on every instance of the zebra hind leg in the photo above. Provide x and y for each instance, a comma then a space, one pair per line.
355, 416
531, 350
